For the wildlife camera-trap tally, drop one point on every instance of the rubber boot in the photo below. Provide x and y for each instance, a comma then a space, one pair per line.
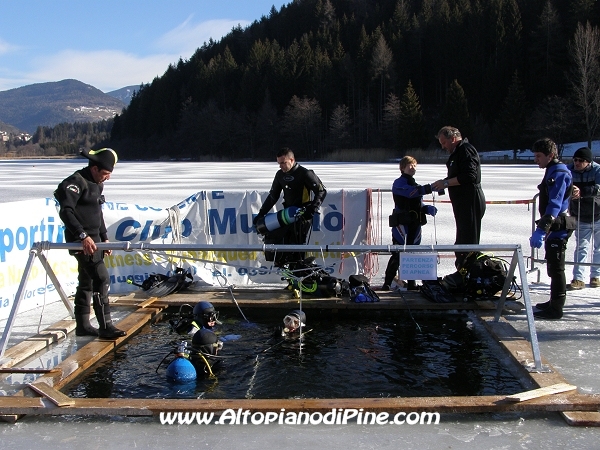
554, 311
84, 327
106, 328
82, 314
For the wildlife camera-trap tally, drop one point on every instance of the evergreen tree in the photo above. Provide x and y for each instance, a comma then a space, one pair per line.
512, 120
411, 125
456, 111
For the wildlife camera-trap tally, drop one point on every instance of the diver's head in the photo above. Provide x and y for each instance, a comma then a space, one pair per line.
207, 342
206, 315
294, 320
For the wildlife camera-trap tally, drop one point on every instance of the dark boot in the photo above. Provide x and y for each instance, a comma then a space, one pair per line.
82, 314
83, 327
106, 328
554, 311
542, 306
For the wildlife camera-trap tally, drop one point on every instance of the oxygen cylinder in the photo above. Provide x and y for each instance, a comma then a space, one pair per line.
181, 370
272, 221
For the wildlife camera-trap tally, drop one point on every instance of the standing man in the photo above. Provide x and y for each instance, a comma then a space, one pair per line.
464, 187
585, 206
80, 198
554, 226
297, 183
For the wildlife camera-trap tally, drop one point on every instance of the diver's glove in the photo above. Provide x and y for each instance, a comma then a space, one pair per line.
431, 210
257, 218
537, 238
309, 212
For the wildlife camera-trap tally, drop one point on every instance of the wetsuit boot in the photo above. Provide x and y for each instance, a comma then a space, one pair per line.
552, 312
106, 328
82, 314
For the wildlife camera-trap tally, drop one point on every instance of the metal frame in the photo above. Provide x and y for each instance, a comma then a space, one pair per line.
516, 261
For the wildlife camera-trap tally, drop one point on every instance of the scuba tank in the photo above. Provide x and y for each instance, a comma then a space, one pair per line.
181, 370
273, 221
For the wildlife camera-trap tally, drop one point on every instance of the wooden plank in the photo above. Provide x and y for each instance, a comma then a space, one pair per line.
442, 405
56, 397
95, 350
148, 302
23, 350
582, 418
535, 393
27, 370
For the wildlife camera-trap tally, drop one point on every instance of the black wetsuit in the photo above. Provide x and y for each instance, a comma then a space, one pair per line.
296, 185
81, 199
468, 200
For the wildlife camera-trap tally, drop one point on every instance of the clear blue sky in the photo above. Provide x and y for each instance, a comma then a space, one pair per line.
111, 44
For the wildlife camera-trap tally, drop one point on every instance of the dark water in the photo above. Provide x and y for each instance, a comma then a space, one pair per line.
339, 358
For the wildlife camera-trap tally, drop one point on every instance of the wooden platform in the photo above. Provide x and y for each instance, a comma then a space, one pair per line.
44, 396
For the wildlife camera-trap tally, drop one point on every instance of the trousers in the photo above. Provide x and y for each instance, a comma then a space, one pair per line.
588, 240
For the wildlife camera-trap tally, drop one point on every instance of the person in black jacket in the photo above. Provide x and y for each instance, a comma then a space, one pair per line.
80, 199
297, 183
464, 187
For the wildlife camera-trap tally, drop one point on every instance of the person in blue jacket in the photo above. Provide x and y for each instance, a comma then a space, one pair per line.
554, 227
408, 216
585, 207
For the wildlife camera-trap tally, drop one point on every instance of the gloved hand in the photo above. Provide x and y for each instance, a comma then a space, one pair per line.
257, 218
537, 238
309, 212
431, 210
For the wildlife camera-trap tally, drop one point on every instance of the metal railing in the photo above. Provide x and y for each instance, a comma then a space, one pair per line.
517, 261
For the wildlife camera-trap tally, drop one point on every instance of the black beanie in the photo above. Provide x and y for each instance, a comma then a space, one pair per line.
584, 153
106, 158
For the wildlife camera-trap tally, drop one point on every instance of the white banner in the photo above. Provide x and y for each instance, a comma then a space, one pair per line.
207, 217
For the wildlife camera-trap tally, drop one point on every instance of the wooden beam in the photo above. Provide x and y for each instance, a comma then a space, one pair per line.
27, 370
56, 397
441, 405
541, 392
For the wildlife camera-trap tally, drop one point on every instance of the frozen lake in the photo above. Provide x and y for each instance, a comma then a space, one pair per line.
571, 344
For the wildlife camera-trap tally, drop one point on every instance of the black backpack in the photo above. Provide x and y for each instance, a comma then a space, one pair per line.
480, 275
360, 290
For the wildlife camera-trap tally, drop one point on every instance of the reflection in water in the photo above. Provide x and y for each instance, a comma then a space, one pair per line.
347, 358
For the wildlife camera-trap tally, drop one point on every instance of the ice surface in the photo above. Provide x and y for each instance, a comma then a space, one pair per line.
571, 344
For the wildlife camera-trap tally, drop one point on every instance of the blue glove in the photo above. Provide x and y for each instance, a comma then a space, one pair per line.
537, 238
431, 210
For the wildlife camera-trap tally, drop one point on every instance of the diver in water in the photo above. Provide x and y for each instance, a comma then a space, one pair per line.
205, 349
293, 323
205, 316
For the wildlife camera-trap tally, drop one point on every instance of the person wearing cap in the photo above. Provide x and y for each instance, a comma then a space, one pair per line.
205, 317
80, 199
585, 206
554, 227
297, 184
463, 182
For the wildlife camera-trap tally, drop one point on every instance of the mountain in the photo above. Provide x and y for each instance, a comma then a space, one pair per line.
124, 94
52, 103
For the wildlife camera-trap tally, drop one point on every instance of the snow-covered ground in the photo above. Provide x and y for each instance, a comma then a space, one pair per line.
571, 344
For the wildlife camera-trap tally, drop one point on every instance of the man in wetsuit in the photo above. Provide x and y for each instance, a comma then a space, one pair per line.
554, 226
80, 198
297, 183
464, 187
